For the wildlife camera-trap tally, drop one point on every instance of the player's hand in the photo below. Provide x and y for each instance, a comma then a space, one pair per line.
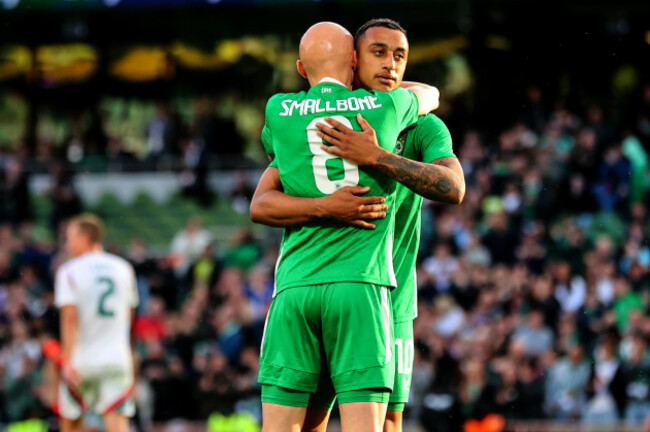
345, 205
70, 374
361, 148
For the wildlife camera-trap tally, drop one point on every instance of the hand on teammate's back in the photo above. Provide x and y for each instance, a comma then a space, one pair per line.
361, 148
345, 205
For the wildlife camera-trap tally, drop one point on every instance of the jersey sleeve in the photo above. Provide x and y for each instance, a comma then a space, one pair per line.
267, 137
434, 138
406, 107
267, 142
64, 291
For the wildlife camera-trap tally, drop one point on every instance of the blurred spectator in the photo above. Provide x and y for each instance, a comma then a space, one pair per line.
606, 387
244, 251
637, 371
65, 201
500, 240
476, 253
584, 157
242, 193
634, 253
628, 304
194, 177
15, 202
441, 405
591, 321
575, 195
20, 392
531, 250
566, 381
450, 317
155, 369
162, 135
151, 325
536, 338
570, 290
612, 187
440, 266
20, 348
596, 121
535, 114
219, 135
604, 282
188, 244
258, 291
206, 270
119, 159
473, 383
216, 388
541, 298
635, 153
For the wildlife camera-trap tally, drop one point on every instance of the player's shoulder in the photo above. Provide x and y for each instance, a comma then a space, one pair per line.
65, 267
279, 97
74, 263
280, 102
427, 124
398, 92
98, 258
117, 260
74, 267
429, 120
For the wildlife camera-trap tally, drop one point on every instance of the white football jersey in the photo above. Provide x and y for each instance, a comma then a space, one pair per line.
103, 288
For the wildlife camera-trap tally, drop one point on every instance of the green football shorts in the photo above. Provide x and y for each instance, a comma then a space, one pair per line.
344, 329
403, 365
324, 396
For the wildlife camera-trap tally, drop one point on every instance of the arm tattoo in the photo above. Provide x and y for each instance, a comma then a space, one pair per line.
434, 181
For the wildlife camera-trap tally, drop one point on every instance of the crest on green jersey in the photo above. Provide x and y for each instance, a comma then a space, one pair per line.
399, 145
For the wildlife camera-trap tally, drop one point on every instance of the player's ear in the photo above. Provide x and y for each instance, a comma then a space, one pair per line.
301, 68
354, 59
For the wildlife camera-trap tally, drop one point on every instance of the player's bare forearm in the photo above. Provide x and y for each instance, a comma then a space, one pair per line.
441, 180
271, 206
69, 327
428, 96
277, 209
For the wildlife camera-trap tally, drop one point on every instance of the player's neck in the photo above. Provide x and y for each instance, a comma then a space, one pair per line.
90, 249
332, 77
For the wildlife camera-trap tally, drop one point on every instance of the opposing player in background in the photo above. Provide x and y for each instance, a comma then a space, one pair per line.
423, 163
96, 292
331, 309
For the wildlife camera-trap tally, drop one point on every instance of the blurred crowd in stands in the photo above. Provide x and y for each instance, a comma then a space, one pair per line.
534, 293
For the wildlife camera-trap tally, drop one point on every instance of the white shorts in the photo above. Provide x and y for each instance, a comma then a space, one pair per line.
109, 392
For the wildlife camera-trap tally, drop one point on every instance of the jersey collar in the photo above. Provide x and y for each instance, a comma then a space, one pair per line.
332, 80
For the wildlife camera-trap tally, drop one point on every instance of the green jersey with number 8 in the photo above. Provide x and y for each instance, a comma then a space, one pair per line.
329, 251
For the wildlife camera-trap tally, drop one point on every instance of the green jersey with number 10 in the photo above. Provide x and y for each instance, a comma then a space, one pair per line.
329, 251
425, 141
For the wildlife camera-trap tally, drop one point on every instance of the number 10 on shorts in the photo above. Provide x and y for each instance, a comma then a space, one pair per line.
404, 353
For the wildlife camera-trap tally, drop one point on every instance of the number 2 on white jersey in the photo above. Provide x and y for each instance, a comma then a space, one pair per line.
108, 289
350, 169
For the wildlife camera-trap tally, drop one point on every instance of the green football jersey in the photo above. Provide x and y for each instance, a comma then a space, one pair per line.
427, 140
329, 251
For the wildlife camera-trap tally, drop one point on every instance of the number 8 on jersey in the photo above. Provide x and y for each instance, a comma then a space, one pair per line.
350, 169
